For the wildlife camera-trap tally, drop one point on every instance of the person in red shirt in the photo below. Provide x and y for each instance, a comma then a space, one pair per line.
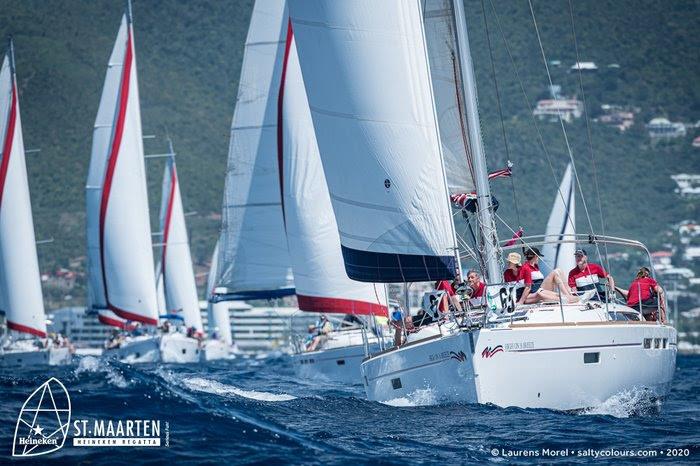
446, 286
585, 275
645, 289
511, 276
538, 288
478, 287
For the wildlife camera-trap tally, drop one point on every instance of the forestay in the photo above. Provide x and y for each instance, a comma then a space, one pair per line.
254, 261
118, 228
562, 226
312, 234
366, 73
20, 283
176, 261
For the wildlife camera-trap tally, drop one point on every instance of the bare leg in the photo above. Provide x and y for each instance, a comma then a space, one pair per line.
554, 279
456, 303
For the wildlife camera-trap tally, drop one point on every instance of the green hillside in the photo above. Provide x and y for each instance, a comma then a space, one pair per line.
189, 55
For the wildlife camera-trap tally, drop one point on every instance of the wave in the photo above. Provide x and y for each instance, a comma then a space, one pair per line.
218, 388
423, 397
92, 364
633, 402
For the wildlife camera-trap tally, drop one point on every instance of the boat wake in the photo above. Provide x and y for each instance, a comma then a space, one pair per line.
634, 402
218, 388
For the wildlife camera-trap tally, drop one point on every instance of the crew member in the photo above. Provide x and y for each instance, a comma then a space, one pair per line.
585, 276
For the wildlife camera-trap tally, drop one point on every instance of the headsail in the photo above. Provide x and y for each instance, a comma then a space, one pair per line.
118, 229
365, 67
254, 261
446, 77
20, 283
312, 233
176, 262
562, 225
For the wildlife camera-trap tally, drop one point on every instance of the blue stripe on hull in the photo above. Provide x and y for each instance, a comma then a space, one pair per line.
378, 267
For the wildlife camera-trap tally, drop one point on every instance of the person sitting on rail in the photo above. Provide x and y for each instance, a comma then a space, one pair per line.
449, 297
477, 297
585, 276
539, 288
511, 276
644, 292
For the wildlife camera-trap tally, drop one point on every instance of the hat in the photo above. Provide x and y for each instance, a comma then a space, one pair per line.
580, 252
531, 252
514, 258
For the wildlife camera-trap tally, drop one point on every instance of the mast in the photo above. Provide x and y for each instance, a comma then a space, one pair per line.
487, 226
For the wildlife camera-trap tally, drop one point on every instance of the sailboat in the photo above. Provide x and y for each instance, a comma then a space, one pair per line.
322, 286
390, 175
122, 286
562, 226
21, 298
219, 321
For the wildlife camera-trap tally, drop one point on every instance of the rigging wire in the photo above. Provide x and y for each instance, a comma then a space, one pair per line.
563, 128
588, 133
500, 110
540, 138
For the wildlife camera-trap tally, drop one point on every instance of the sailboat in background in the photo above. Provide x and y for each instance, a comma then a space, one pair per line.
254, 261
322, 286
383, 152
562, 226
122, 287
21, 298
219, 321
177, 273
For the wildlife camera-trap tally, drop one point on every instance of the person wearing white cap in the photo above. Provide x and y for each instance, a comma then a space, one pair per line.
539, 288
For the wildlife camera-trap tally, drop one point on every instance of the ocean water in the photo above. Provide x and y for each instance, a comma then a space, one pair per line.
254, 411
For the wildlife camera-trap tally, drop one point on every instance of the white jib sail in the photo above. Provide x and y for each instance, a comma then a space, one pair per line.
20, 283
218, 319
118, 228
366, 72
254, 260
312, 234
562, 225
178, 274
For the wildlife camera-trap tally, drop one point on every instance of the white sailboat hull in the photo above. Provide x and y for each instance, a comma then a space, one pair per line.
173, 348
215, 349
36, 357
337, 365
528, 366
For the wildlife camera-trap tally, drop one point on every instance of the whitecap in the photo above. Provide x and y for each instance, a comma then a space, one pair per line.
97, 365
625, 404
421, 397
218, 388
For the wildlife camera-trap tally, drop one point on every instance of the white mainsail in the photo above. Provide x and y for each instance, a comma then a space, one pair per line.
365, 67
118, 230
176, 271
254, 260
562, 225
218, 318
312, 233
20, 283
